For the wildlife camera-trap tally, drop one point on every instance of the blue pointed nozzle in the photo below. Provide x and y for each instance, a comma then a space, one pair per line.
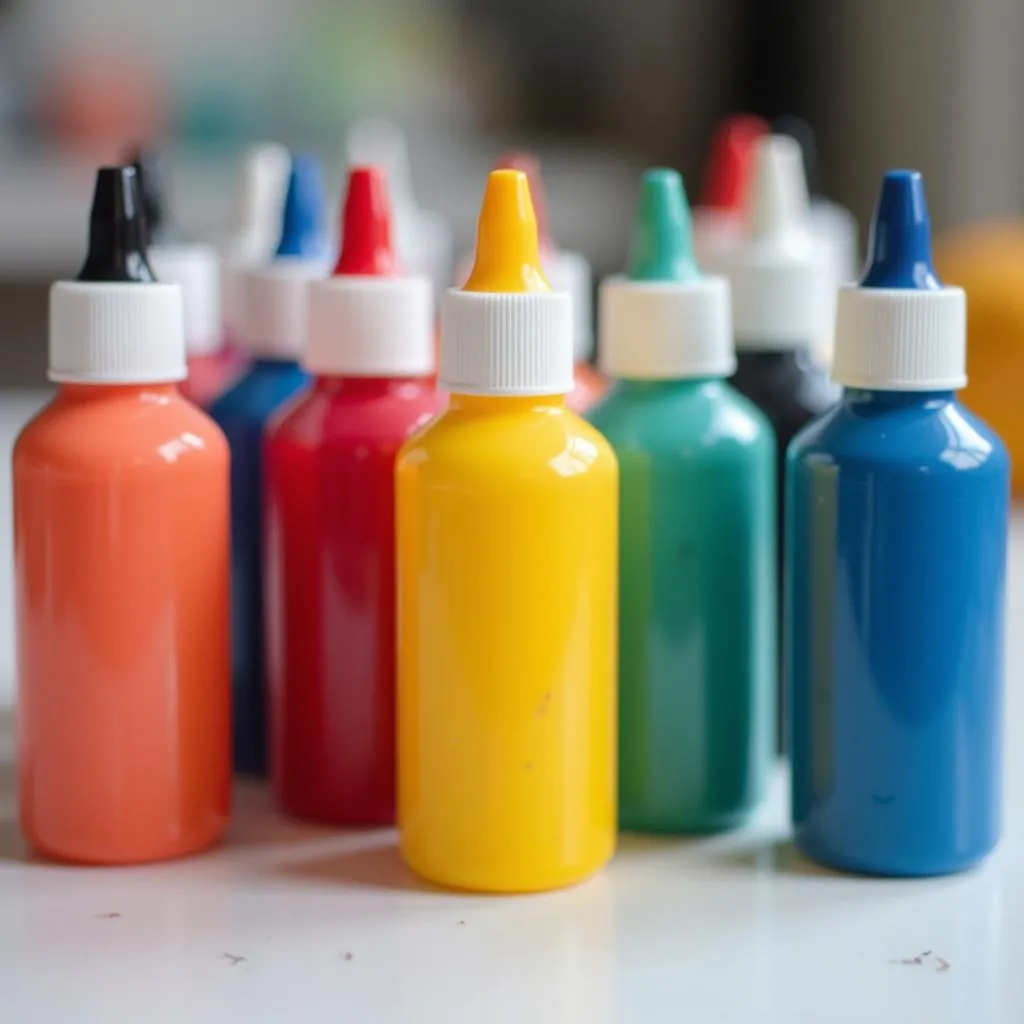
662, 242
303, 219
900, 242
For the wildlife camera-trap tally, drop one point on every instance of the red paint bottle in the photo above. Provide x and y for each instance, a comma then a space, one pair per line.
330, 524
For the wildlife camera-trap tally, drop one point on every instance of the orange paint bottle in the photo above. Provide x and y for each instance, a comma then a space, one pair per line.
121, 571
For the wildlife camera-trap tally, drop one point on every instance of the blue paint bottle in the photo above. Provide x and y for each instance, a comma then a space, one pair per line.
897, 509
273, 332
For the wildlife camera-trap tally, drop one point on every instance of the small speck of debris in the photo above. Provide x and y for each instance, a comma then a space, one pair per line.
528, 766
918, 961
462, 922
348, 956
109, 917
883, 800
235, 960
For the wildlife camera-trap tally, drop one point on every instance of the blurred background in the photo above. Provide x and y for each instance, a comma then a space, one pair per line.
599, 88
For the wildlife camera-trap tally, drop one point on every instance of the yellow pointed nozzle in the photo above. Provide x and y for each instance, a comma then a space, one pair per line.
506, 239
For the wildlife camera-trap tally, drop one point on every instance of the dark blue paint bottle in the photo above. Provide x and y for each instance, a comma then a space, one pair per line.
273, 328
897, 507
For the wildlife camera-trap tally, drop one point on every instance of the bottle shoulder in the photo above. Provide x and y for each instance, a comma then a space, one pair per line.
544, 440
317, 418
124, 432
786, 392
935, 437
257, 393
654, 419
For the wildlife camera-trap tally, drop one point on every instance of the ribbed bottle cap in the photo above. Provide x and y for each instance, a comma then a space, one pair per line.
664, 321
275, 304
423, 238
115, 324
505, 332
778, 278
259, 194
366, 320
900, 329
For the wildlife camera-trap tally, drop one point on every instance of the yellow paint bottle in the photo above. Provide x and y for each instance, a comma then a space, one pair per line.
507, 589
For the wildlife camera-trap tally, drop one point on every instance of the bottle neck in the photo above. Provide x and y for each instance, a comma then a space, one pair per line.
365, 387
97, 392
504, 403
271, 365
862, 400
687, 385
795, 356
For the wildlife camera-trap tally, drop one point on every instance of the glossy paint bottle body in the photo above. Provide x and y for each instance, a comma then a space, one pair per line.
242, 413
899, 507
121, 518
507, 573
331, 599
697, 619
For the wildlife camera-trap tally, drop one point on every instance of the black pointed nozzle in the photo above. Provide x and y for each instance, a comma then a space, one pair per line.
117, 236
151, 170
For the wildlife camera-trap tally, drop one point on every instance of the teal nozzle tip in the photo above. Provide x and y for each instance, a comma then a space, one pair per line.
662, 242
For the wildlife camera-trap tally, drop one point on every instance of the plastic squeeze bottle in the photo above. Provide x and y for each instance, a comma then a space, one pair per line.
895, 568
196, 268
780, 291
259, 195
330, 536
832, 225
697, 541
121, 571
507, 605
423, 237
718, 219
274, 307
565, 271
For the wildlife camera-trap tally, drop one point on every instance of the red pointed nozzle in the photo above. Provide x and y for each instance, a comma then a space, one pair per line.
731, 162
367, 249
530, 166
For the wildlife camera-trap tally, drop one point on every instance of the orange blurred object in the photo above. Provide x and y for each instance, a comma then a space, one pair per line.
97, 105
987, 261
121, 554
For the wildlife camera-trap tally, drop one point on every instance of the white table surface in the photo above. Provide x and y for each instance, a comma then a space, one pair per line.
291, 923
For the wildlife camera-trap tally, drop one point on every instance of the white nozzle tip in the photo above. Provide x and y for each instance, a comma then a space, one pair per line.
262, 180
778, 203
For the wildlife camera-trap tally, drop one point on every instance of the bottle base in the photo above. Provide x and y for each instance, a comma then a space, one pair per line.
93, 858
906, 867
687, 826
378, 817
507, 883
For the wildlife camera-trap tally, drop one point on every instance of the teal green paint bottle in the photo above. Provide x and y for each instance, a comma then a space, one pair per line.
697, 528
